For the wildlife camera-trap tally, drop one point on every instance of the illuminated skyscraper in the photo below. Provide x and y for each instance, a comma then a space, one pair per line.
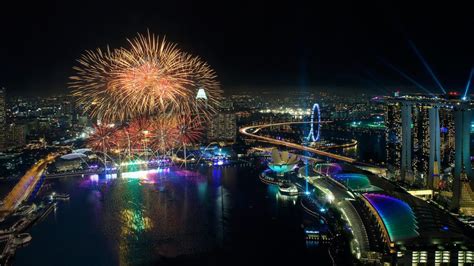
406, 173
447, 132
15, 135
201, 98
431, 125
435, 146
222, 127
393, 136
438, 139
421, 140
426, 143
462, 193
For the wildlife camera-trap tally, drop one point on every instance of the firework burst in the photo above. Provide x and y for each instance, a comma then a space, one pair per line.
103, 139
164, 134
151, 77
189, 129
137, 133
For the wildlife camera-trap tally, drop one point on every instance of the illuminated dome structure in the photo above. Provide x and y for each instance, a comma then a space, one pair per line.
353, 181
83, 151
396, 218
73, 156
70, 162
282, 162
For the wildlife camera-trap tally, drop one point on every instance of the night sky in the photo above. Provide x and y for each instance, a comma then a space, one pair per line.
339, 45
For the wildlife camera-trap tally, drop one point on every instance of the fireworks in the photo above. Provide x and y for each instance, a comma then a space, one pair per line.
149, 78
189, 129
160, 134
103, 139
160, 95
164, 134
136, 134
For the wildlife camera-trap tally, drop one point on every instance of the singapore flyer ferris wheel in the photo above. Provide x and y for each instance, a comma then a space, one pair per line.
315, 115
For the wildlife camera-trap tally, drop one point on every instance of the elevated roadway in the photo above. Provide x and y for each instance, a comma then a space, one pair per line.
250, 131
25, 186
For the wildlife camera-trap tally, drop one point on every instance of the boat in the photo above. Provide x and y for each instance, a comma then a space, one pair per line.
59, 196
46, 210
62, 196
25, 210
19, 225
288, 189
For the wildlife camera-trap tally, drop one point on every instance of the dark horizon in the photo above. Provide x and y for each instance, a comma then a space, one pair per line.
249, 45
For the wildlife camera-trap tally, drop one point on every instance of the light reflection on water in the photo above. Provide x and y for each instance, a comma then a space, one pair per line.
115, 221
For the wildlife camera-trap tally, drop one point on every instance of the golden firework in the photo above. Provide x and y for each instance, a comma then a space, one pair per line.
150, 77
102, 139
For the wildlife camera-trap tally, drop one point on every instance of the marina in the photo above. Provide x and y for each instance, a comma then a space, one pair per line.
13, 229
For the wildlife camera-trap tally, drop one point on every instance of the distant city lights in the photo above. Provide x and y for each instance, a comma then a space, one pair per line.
296, 112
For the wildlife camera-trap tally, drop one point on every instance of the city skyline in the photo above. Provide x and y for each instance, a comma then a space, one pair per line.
181, 133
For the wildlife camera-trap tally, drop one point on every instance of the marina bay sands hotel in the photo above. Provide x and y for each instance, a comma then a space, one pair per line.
426, 136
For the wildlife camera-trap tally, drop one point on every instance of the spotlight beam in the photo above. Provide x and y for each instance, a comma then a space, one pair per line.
468, 84
406, 76
425, 64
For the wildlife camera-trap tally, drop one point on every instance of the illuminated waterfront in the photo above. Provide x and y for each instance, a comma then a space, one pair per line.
176, 133
180, 218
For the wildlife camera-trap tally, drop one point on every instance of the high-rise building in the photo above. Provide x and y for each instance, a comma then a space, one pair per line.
462, 190
420, 148
3, 114
393, 136
15, 135
223, 127
433, 135
446, 117
406, 169
435, 147
409, 130
201, 100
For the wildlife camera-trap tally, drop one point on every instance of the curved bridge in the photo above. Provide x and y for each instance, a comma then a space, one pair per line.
25, 186
251, 131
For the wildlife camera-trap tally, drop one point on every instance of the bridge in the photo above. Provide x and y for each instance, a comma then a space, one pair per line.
269, 151
25, 186
73, 173
250, 131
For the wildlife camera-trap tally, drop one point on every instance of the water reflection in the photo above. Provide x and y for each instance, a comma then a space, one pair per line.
134, 222
170, 214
